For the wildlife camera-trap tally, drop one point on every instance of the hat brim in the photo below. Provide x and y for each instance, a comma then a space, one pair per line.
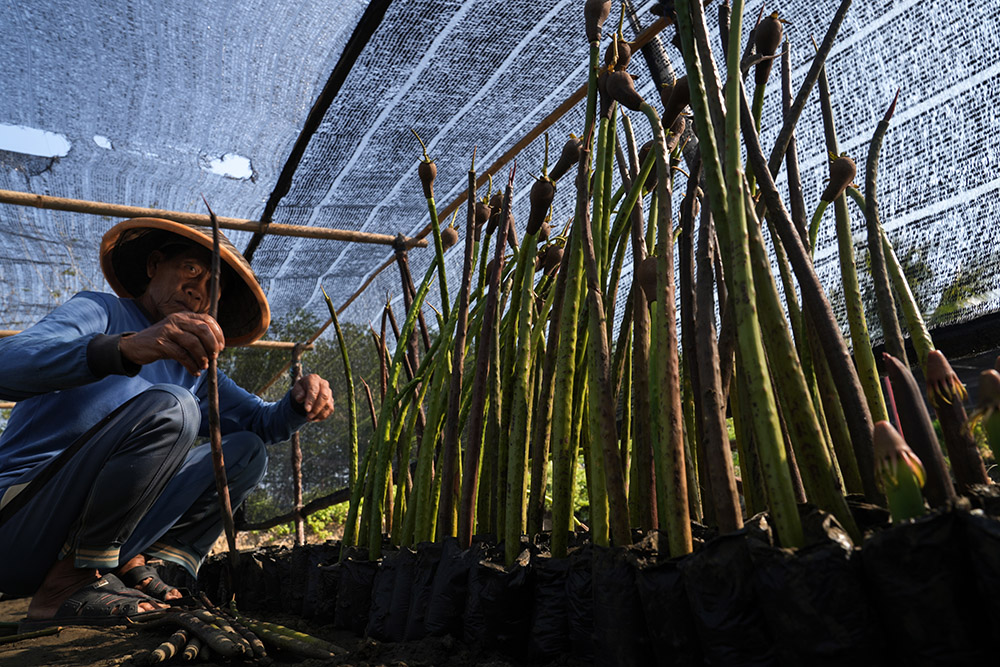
244, 314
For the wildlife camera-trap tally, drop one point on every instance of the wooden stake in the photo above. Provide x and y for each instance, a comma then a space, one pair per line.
300, 529
214, 420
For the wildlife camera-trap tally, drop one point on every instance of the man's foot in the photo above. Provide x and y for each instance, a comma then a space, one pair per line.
105, 601
136, 574
61, 582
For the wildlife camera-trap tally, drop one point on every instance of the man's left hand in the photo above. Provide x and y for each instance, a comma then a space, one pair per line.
313, 393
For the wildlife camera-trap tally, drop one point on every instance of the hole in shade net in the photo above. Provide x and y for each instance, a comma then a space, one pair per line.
32, 141
229, 165
103, 142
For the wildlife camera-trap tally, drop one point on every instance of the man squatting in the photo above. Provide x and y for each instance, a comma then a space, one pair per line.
98, 471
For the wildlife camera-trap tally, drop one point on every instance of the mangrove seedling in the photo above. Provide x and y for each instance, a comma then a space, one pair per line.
645, 274
680, 97
767, 39
618, 54
942, 382
427, 170
567, 158
541, 195
947, 394
987, 410
449, 237
842, 172
595, 13
915, 423
899, 471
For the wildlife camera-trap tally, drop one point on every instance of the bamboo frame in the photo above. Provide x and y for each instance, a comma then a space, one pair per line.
241, 224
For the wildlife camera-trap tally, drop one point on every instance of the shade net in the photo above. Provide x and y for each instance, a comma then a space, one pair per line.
149, 95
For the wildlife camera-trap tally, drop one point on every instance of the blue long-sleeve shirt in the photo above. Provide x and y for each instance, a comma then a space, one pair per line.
66, 374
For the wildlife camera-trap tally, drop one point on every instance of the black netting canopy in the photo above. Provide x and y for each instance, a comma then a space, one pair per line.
155, 104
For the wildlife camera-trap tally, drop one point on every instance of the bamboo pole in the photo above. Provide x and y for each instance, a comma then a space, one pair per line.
259, 344
241, 224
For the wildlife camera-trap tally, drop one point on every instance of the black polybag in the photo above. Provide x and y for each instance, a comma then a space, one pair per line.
294, 594
723, 601
354, 592
920, 579
620, 635
672, 635
428, 558
316, 599
450, 589
498, 608
391, 596
549, 632
325, 609
983, 537
813, 599
580, 603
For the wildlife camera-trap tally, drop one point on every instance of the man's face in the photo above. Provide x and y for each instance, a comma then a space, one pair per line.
177, 284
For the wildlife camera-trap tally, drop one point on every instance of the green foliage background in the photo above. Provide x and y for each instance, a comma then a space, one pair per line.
325, 445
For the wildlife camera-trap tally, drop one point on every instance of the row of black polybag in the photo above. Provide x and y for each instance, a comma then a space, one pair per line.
922, 593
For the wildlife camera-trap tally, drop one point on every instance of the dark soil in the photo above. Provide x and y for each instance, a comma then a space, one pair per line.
107, 647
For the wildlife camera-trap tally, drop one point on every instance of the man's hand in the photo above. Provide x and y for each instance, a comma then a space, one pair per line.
314, 393
191, 339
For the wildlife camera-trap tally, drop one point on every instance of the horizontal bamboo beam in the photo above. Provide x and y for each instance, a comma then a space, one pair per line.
259, 344
241, 224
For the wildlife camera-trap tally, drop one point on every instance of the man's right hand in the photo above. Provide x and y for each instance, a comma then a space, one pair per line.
191, 339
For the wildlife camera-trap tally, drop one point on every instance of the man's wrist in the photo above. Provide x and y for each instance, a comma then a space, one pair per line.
104, 356
297, 406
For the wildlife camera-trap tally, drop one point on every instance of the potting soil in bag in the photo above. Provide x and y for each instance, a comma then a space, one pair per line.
391, 596
580, 603
498, 606
723, 601
985, 497
814, 605
548, 636
450, 589
620, 636
982, 534
354, 593
920, 581
428, 557
673, 639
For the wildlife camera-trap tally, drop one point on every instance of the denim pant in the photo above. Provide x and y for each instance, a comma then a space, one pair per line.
136, 485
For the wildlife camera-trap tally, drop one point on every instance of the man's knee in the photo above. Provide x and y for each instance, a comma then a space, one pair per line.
174, 408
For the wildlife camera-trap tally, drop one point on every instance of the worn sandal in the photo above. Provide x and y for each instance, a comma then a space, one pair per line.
155, 588
105, 602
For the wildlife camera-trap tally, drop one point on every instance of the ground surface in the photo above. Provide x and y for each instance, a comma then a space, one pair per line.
108, 647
